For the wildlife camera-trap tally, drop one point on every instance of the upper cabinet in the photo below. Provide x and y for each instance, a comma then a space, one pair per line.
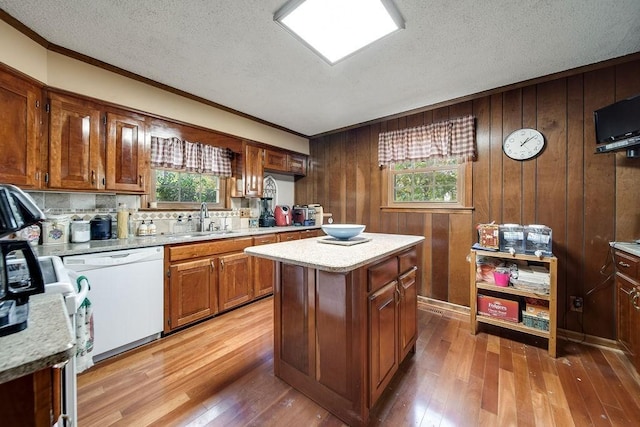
253, 170
94, 147
127, 158
20, 102
76, 152
281, 161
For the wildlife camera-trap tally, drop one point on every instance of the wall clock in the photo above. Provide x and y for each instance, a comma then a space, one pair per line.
523, 144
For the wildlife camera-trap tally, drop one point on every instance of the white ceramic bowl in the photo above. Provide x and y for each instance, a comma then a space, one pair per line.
343, 231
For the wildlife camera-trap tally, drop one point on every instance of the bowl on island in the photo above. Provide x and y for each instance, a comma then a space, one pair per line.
343, 231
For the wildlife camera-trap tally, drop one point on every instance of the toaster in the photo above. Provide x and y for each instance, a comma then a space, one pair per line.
304, 215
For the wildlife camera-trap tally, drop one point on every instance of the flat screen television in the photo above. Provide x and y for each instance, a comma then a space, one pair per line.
618, 125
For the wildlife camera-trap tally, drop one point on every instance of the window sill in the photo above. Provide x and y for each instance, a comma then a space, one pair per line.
430, 209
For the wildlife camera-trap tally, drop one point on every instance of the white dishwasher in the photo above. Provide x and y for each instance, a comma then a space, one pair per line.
126, 297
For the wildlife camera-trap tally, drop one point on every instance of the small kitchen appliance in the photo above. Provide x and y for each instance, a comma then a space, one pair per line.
266, 216
100, 227
304, 215
20, 273
55, 230
283, 216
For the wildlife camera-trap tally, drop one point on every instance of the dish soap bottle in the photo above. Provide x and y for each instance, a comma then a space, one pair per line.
151, 229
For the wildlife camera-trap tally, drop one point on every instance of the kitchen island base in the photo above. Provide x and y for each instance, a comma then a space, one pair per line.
340, 336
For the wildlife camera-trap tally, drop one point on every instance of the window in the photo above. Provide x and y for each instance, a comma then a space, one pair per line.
178, 189
431, 183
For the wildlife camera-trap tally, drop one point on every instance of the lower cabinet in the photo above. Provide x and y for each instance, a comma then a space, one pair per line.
32, 400
340, 337
628, 305
193, 291
383, 333
234, 280
205, 278
263, 269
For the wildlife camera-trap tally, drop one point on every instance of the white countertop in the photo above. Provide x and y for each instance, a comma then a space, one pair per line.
45, 342
632, 248
341, 259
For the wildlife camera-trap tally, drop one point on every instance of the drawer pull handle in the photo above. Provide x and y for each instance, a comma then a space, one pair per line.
221, 264
213, 266
634, 300
623, 264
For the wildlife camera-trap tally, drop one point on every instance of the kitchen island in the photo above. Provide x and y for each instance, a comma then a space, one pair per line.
345, 317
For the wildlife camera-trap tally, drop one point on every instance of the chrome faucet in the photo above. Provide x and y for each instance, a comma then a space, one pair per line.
204, 213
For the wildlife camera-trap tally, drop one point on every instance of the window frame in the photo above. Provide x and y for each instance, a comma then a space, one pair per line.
464, 188
222, 188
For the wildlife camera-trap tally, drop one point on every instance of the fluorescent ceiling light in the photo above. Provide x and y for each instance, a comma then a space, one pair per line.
335, 29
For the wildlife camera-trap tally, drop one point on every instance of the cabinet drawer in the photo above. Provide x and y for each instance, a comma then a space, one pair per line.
382, 273
408, 260
289, 236
197, 250
263, 240
626, 264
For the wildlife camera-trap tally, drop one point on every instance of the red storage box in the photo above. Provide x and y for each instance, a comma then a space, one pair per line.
501, 308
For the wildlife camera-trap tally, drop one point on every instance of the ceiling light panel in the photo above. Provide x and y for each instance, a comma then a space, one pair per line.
335, 29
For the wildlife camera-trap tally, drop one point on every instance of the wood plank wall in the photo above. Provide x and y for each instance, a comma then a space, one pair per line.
587, 199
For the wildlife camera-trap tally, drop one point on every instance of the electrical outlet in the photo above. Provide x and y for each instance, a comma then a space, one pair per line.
576, 303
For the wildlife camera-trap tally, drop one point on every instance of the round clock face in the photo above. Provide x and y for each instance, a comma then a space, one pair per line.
523, 144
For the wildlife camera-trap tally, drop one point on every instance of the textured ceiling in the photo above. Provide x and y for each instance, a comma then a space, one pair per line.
232, 53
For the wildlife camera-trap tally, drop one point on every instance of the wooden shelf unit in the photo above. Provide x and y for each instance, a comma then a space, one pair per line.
551, 263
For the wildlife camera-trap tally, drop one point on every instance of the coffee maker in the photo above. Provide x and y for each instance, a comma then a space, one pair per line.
20, 273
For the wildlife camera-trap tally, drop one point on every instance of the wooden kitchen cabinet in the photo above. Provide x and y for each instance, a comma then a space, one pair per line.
339, 336
76, 152
205, 278
263, 270
253, 170
285, 162
127, 155
192, 290
20, 128
234, 280
627, 281
289, 236
32, 400
383, 335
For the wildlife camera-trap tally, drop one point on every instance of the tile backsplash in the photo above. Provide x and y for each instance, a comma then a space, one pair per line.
87, 205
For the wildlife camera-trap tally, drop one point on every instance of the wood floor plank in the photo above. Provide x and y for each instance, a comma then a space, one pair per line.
220, 373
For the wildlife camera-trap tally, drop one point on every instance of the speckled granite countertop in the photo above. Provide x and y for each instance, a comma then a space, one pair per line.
329, 257
632, 248
46, 341
94, 246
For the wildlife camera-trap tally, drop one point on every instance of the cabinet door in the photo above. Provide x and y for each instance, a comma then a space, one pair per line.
297, 164
253, 170
19, 131
408, 312
75, 154
276, 160
263, 269
383, 330
127, 169
192, 291
234, 280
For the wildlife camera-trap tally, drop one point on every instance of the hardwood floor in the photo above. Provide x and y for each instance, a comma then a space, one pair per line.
220, 373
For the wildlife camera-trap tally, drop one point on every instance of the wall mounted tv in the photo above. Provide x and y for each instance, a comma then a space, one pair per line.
618, 125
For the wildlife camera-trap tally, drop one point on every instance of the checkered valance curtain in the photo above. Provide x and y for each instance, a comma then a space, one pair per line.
455, 138
174, 153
